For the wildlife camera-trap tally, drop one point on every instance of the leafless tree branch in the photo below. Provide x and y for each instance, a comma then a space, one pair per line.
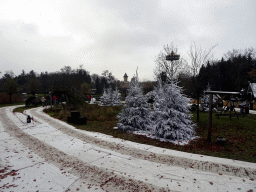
198, 57
171, 68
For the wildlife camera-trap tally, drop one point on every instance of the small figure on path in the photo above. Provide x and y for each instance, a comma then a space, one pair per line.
89, 97
54, 99
43, 101
28, 119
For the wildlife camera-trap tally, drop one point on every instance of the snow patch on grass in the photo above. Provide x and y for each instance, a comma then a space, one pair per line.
176, 142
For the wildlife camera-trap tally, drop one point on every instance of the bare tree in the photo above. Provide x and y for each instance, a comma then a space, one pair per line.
170, 68
199, 57
249, 52
109, 78
67, 70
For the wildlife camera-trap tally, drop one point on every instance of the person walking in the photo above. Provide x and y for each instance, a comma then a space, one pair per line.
43, 101
54, 99
89, 97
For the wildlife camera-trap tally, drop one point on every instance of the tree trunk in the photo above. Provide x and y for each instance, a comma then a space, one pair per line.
10, 98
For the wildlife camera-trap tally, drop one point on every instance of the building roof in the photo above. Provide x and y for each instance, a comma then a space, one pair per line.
125, 75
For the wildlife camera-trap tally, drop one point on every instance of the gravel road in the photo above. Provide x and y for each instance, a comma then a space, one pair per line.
50, 155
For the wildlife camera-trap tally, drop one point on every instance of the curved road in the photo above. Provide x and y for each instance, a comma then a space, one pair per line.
50, 155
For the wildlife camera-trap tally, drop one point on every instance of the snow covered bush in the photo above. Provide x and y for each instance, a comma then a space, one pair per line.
170, 117
135, 113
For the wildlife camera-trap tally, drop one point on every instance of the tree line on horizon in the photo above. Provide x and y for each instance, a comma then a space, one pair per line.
43, 83
231, 73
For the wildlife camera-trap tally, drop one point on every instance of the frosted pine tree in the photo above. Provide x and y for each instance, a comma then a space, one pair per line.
115, 98
106, 98
110, 97
171, 113
205, 99
159, 101
135, 113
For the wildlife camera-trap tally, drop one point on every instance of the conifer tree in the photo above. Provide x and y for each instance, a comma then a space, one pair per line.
110, 97
104, 99
115, 98
135, 113
205, 100
171, 118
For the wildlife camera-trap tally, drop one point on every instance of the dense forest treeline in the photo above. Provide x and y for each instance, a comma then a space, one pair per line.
230, 73
79, 79
44, 82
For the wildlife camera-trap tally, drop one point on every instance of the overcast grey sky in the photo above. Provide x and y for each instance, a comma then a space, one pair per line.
117, 35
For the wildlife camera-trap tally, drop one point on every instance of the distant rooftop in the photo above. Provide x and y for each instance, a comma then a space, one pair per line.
253, 88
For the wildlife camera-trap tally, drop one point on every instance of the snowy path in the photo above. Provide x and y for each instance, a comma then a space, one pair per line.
50, 155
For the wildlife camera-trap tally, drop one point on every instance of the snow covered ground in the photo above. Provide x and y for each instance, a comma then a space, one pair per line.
50, 155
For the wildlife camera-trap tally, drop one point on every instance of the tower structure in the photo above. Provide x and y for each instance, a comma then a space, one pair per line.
125, 78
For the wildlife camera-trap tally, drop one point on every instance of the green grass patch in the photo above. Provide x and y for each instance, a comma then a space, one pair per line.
21, 109
100, 113
240, 133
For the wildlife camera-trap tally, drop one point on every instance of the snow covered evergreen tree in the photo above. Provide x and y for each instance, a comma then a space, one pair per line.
115, 98
205, 99
171, 118
159, 101
110, 97
106, 97
135, 113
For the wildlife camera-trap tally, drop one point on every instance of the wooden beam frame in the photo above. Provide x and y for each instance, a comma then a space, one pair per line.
212, 105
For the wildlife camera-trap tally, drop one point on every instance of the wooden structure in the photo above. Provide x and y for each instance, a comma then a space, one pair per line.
223, 95
172, 57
